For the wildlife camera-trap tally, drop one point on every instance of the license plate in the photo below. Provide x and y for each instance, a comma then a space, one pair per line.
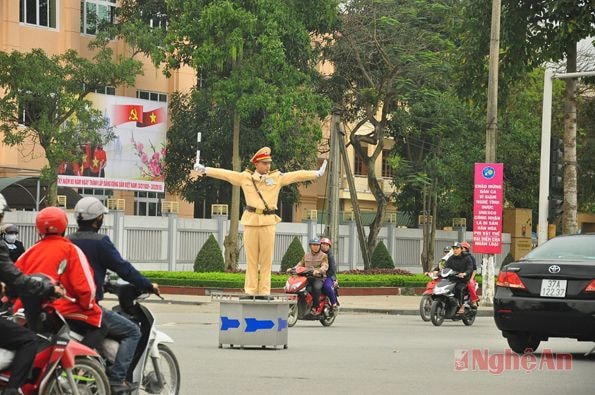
553, 288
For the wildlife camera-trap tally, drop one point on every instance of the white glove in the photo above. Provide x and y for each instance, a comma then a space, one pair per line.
200, 168
322, 169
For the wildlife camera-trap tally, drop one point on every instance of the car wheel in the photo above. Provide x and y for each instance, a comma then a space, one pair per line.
522, 342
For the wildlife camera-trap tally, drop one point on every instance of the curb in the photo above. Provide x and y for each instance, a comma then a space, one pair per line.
368, 310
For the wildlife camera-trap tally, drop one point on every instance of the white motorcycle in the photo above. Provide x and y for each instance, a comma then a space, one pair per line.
156, 368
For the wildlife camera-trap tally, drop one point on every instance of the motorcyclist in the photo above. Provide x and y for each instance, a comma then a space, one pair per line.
79, 307
463, 265
472, 283
22, 341
317, 260
9, 233
328, 287
103, 255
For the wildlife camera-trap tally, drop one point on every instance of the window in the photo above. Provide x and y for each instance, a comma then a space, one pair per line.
106, 90
154, 96
387, 170
38, 12
101, 194
94, 13
360, 168
148, 203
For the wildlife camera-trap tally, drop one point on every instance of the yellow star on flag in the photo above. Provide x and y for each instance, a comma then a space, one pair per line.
153, 117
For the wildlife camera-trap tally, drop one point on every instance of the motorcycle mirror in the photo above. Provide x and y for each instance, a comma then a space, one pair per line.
62, 267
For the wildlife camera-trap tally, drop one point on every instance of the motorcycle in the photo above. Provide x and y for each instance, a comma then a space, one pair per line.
154, 366
446, 305
425, 304
62, 365
297, 284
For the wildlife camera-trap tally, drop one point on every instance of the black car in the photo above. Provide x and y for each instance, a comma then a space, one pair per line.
550, 292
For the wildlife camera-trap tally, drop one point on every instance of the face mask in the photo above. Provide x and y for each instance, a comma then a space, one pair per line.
10, 238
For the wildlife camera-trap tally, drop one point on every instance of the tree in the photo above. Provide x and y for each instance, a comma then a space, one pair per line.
256, 65
381, 258
294, 254
387, 55
534, 33
210, 257
44, 102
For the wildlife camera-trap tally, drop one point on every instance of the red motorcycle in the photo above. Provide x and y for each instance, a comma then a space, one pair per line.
425, 304
297, 284
62, 365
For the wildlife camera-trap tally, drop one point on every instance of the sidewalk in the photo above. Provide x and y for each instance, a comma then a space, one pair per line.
378, 304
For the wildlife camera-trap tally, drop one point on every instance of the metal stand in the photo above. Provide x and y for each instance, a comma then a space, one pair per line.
255, 321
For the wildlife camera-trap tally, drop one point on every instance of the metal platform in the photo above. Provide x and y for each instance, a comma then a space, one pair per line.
253, 321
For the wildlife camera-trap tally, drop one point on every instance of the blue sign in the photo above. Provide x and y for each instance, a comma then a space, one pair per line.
488, 172
227, 323
252, 324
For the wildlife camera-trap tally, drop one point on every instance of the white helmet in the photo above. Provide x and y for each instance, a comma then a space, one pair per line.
89, 208
3, 205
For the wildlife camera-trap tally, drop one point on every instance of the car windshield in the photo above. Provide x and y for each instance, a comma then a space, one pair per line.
571, 248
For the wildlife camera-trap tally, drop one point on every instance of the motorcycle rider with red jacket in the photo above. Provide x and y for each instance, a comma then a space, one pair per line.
21, 340
79, 307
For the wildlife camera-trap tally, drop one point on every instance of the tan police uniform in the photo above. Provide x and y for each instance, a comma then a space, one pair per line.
259, 225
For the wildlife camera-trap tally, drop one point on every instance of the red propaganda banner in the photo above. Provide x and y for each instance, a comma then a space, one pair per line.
124, 113
488, 198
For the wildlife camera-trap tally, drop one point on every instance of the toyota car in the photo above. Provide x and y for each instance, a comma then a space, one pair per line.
550, 292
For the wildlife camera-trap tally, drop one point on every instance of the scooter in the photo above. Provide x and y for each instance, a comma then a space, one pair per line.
445, 304
297, 284
154, 366
62, 365
425, 304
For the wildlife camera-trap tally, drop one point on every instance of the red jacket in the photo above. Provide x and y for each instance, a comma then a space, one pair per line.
45, 257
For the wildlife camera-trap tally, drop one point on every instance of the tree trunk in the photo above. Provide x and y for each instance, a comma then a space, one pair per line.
381, 201
424, 248
569, 207
232, 251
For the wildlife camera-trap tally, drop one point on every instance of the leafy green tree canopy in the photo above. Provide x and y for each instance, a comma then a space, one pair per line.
295, 252
210, 257
44, 101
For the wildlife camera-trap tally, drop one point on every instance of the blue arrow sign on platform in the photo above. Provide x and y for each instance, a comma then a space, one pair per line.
227, 323
252, 324
282, 324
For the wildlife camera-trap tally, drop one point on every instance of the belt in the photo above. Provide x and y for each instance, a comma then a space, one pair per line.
260, 210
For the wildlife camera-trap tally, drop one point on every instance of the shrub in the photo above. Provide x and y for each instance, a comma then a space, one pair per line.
294, 253
210, 257
381, 259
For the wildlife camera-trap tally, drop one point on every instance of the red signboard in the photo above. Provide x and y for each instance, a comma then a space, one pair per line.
488, 198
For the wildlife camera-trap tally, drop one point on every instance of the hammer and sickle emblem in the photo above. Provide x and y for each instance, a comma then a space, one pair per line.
133, 115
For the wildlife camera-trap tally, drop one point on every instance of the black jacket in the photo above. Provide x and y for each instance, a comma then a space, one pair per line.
15, 250
103, 255
462, 264
18, 282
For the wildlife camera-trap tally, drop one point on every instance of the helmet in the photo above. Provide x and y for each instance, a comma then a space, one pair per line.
457, 245
51, 220
326, 240
8, 228
314, 241
465, 245
89, 208
3, 205
446, 249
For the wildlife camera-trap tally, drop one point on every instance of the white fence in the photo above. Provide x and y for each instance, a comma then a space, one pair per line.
172, 243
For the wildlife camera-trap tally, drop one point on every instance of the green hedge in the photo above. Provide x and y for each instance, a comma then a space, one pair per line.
236, 280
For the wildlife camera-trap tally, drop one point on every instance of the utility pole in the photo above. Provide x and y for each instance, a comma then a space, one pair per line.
489, 261
355, 204
333, 180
